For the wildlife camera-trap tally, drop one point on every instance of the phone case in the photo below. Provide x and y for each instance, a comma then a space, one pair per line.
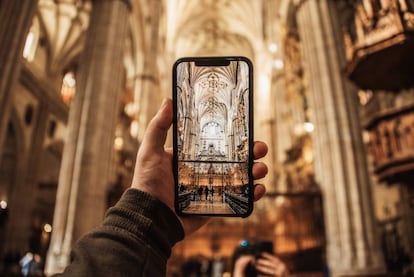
213, 136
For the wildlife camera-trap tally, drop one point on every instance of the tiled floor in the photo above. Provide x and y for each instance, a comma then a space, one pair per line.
208, 207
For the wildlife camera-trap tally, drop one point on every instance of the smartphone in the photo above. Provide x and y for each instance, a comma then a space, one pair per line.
213, 136
255, 249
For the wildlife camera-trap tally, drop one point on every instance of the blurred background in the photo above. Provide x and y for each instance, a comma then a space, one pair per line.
333, 99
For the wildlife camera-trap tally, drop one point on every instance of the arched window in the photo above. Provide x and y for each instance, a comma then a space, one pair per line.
32, 41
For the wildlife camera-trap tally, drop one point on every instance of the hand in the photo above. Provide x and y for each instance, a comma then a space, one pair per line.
153, 169
240, 265
271, 266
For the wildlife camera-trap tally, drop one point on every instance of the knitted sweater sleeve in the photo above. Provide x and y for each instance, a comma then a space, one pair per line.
135, 239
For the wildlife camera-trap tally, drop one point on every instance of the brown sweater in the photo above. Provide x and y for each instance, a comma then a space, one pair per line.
135, 239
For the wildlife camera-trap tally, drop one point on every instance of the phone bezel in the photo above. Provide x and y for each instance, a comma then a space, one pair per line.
214, 61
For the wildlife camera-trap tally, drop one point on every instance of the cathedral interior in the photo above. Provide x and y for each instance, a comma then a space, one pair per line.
213, 116
333, 100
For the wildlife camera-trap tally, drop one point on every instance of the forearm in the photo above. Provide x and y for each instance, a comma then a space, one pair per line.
135, 239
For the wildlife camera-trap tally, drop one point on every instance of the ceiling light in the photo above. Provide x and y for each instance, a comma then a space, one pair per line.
3, 204
278, 64
273, 47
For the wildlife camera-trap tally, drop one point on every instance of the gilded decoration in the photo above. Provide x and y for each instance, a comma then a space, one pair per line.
392, 143
379, 42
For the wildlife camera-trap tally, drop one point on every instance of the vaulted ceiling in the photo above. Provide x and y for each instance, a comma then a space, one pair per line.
218, 27
182, 28
62, 26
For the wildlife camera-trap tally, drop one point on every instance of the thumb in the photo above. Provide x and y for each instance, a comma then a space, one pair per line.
157, 129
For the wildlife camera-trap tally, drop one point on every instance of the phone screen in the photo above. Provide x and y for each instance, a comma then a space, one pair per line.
213, 136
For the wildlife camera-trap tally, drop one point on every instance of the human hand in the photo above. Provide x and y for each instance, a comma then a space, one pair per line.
153, 169
270, 265
240, 265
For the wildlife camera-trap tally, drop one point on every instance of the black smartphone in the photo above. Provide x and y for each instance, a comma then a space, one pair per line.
252, 248
213, 136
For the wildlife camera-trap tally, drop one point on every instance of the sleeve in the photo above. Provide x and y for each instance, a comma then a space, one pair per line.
135, 239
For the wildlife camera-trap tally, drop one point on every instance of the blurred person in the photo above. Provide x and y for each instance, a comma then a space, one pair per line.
31, 265
257, 259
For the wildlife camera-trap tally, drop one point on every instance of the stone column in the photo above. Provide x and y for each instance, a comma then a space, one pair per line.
83, 180
280, 130
23, 198
340, 159
150, 95
15, 20
264, 117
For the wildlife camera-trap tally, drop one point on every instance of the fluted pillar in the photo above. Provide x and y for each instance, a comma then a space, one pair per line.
15, 20
80, 202
149, 89
264, 120
340, 159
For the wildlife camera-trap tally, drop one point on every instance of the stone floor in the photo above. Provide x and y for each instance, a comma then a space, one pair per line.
217, 206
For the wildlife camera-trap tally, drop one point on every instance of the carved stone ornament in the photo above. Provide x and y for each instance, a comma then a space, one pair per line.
380, 44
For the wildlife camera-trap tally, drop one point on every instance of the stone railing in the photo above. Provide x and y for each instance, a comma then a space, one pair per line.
237, 203
184, 200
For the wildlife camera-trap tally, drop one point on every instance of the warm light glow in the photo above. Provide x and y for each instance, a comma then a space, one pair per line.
30, 46
263, 93
364, 96
264, 84
280, 228
308, 127
280, 200
3, 204
308, 155
128, 163
278, 64
273, 47
27, 45
118, 143
366, 137
302, 128
47, 228
133, 129
68, 87
131, 108
69, 79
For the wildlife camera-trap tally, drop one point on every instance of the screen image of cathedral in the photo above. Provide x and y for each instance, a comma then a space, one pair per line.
212, 138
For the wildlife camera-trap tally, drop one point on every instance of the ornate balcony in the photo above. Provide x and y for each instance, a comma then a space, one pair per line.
379, 41
392, 144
